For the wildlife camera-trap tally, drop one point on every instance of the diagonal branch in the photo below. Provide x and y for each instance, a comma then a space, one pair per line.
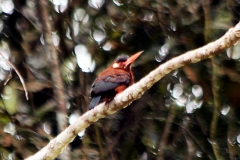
135, 91
18, 73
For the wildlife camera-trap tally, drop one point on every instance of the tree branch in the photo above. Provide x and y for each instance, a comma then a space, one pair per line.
135, 91
58, 85
18, 73
166, 133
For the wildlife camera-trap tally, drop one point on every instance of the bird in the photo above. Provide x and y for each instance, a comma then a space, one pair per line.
113, 80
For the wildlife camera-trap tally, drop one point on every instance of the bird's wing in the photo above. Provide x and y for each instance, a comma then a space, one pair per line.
109, 80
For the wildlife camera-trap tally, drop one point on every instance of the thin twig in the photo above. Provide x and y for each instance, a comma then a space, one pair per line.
215, 81
18, 73
166, 133
9, 77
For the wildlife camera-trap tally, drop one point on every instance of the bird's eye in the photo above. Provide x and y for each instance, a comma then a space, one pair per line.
115, 65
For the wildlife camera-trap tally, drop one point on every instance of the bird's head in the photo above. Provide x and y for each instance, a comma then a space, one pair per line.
124, 61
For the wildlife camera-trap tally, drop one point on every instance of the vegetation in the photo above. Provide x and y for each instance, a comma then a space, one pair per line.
51, 51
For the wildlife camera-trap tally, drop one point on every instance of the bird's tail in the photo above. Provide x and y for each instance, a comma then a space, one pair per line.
94, 102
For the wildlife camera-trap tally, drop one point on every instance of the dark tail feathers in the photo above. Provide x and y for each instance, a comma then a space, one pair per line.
94, 102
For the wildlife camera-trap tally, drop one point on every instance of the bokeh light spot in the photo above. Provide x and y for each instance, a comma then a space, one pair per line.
55, 39
7, 6
98, 35
84, 59
238, 138
225, 110
81, 15
162, 53
177, 90
9, 128
118, 2
47, 127
234, 52
97, 4
107, 46
197, 91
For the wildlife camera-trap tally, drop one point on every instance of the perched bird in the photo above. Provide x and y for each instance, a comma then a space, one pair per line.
113, 80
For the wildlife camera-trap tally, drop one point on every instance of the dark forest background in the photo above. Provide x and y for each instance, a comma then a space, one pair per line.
192, 113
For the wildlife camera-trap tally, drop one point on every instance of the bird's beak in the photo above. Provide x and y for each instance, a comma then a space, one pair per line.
131, 59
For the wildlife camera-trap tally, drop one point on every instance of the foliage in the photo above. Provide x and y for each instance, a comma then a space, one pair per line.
184, 116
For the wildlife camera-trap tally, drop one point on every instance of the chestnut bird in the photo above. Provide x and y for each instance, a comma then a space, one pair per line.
113, 80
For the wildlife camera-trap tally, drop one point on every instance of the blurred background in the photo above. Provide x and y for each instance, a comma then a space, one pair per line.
192, 113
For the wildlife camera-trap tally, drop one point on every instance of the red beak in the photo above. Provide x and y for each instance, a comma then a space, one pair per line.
131, 59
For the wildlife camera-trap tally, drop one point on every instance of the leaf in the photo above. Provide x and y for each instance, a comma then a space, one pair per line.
10, 99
